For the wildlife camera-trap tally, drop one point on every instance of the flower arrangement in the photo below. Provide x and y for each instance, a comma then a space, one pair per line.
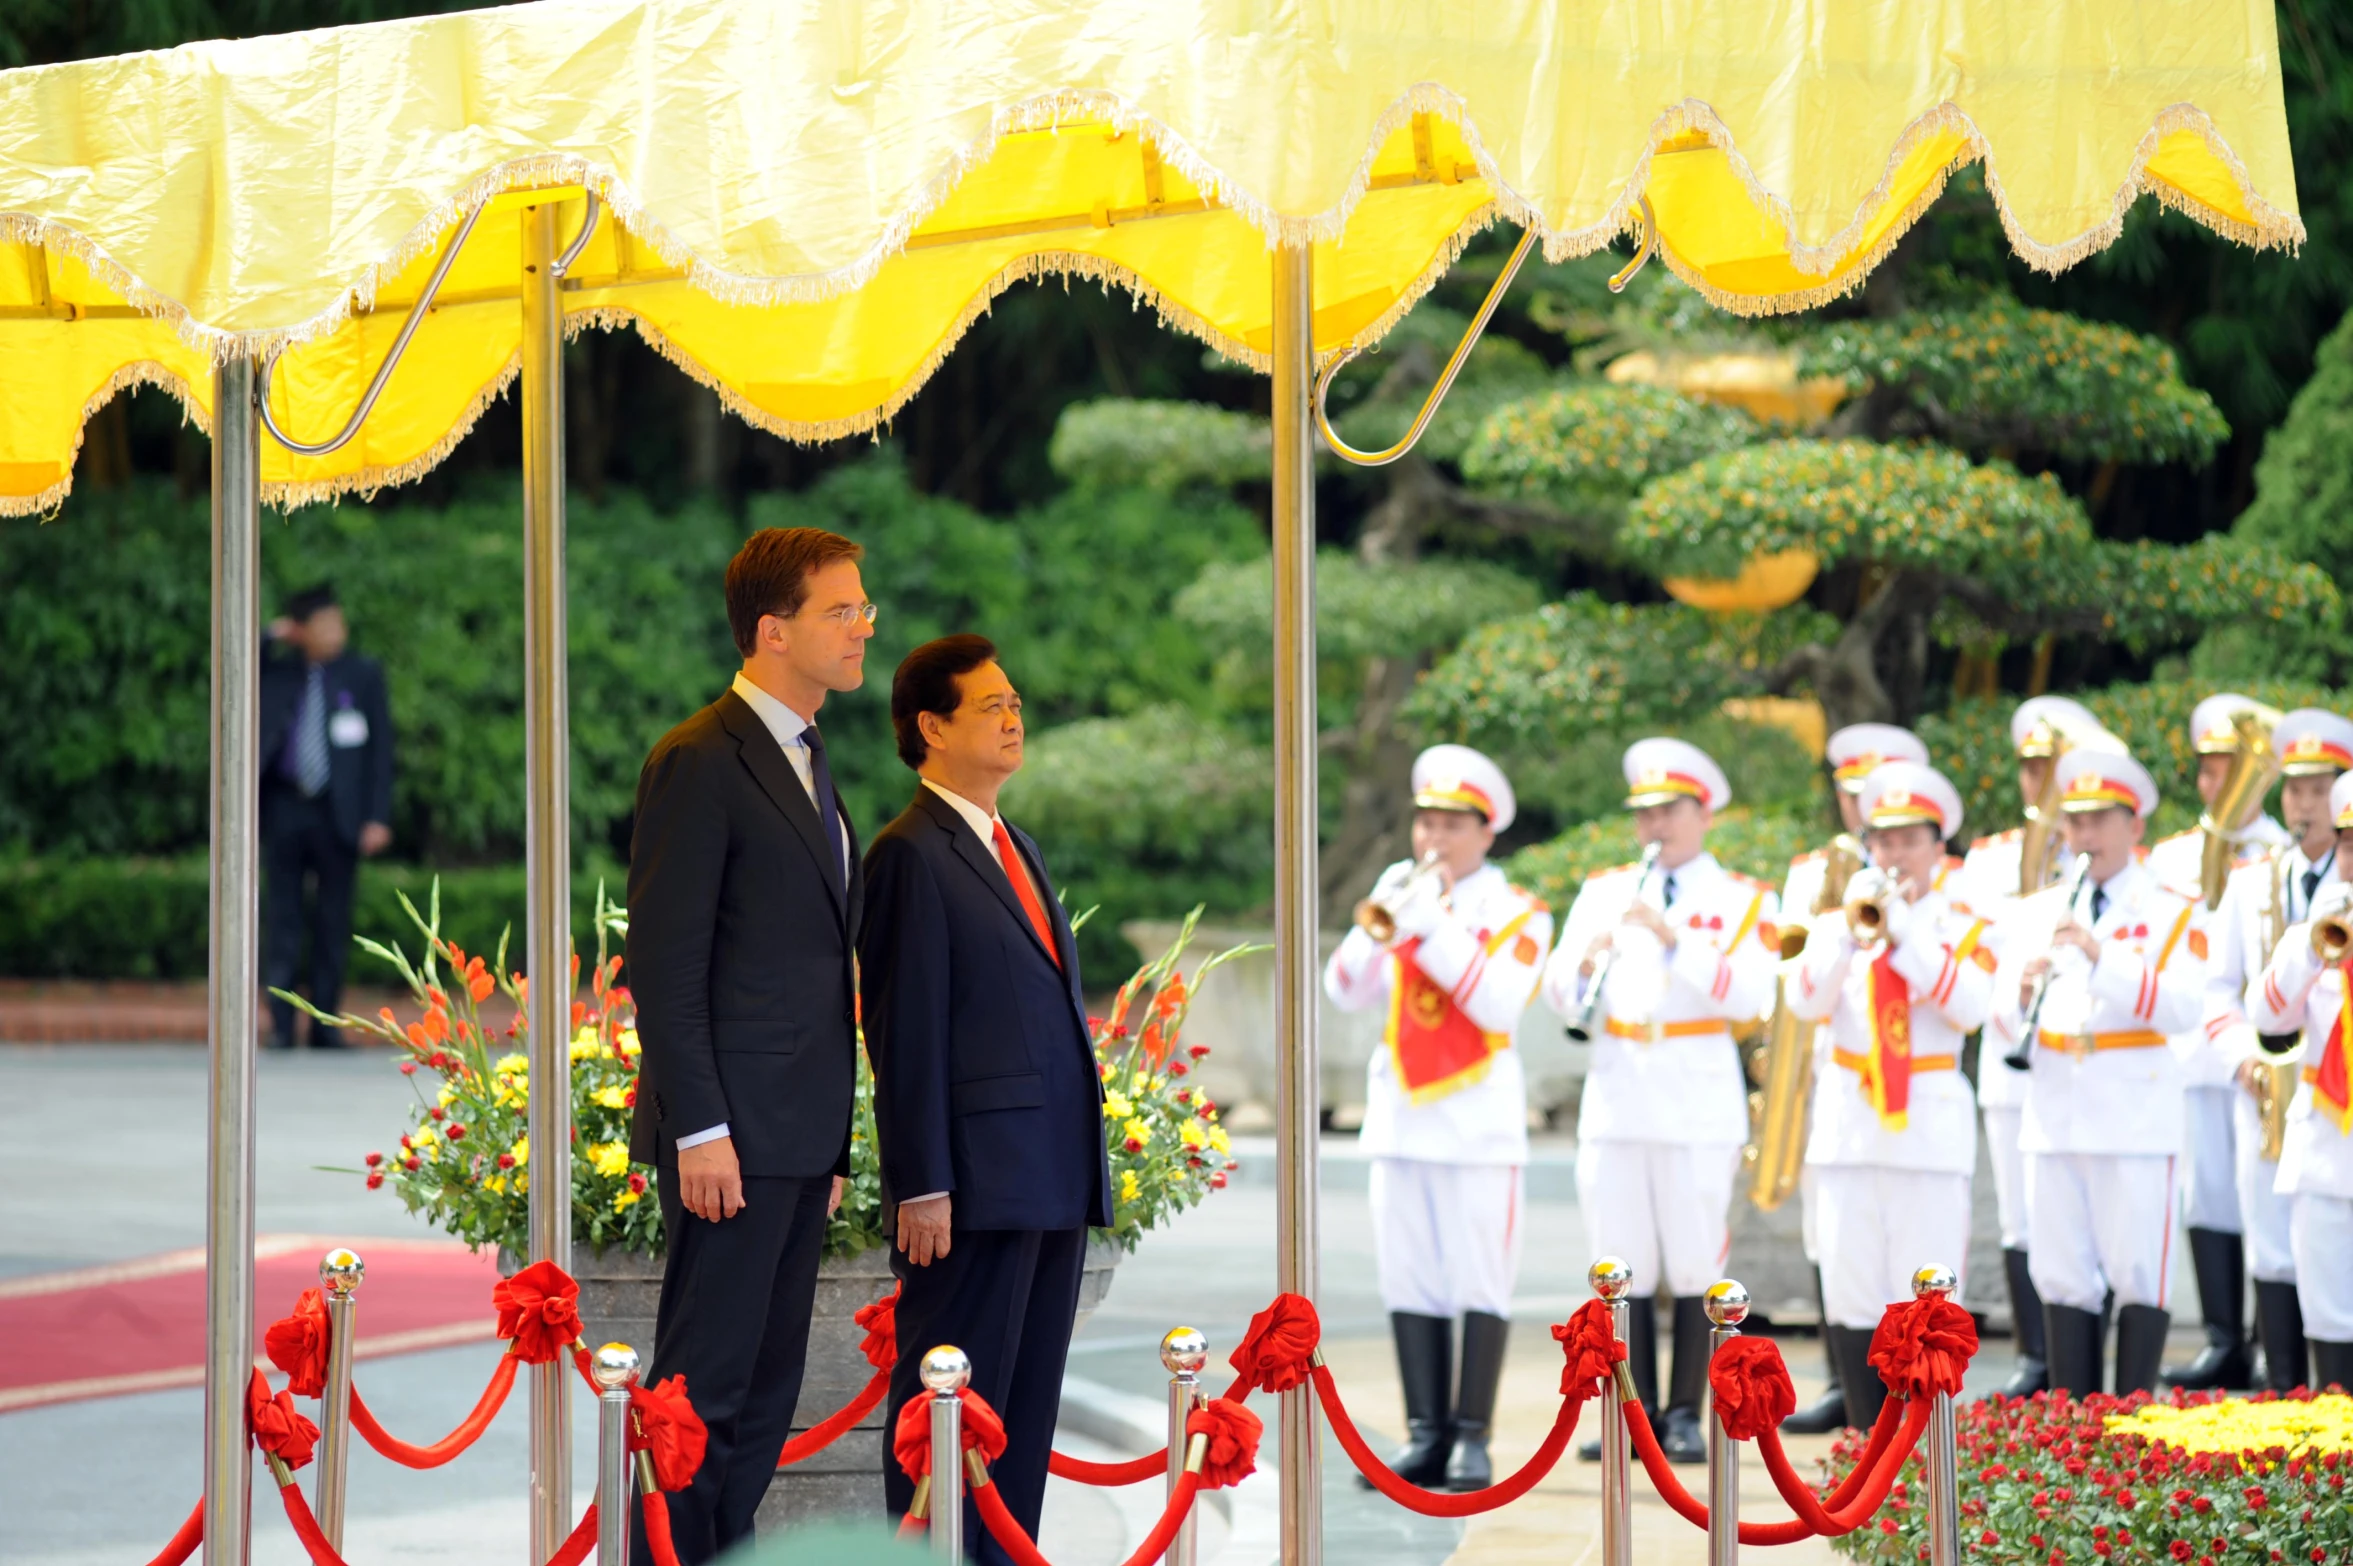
2198, 1480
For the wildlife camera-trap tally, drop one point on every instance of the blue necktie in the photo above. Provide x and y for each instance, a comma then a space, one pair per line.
828, 812
311, 769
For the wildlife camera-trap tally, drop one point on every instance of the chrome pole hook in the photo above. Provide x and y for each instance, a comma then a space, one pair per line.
408, 330
1648, 248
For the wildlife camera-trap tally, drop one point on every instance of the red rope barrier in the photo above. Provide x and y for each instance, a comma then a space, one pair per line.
1134, 1471
469, 1430
184, 1542
1016, 1542
1832, 1521
1848, 1499
1432, 1503
841, 1422
657, 1529
572, 1552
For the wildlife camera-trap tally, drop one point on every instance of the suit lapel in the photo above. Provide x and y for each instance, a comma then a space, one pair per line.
782, 785
984, 864
1065, 940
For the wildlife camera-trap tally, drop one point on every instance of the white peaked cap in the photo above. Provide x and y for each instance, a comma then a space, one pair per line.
2340, 802
2310, 741
2096, 778
2040, 717
1660, 769
1901, 793
1456, 777
1859, 747
2212, 730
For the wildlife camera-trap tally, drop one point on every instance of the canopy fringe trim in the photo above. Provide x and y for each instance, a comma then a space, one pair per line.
141, 372
293, 494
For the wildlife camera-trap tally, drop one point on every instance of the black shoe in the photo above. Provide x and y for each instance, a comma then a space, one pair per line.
2140, 1344
278, 1041
2219, 1260
1680, 1437
2026, 1318
1425, 1369
2332, 1364
2071, 1342
2279, 1321
1864, 1390
1484, 1339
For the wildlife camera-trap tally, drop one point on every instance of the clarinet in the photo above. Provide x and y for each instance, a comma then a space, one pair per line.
1581, 1026
2022, 1057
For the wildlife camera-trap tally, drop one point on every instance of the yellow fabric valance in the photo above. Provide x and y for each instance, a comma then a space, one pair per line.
806, 201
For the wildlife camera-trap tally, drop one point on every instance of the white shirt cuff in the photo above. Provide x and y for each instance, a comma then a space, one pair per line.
930, 1196
700, 1137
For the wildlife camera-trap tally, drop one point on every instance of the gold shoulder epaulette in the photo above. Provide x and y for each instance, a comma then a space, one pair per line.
1810, 856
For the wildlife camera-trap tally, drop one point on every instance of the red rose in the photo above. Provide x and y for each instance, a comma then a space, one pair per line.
457, 1133
637, 1182
1177, 1068
374, 1159
1133, 1145
408, 1068
412, 1163
375, 1182
1196, 1050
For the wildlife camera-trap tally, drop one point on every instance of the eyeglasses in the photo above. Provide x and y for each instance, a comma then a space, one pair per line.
849, 615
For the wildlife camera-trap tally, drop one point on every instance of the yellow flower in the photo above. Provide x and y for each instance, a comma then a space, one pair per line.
512, 1065
1136, 1130
496, 1185
1219, 1140
586, 1047
447, 1096
615, 1097
521, 1152
1193, 1134
610, 1159
626, 1043
2325, 1424
624, 1200
1129, 1186
1116, 1106
1141, 1084
423, 1143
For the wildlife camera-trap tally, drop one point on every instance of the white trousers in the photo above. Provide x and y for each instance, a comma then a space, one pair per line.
2263, 1212
1659, 1207
2009, 1167
2210, 1164
2100, 1221
1446, 1237
1877, 1227
2321, 1228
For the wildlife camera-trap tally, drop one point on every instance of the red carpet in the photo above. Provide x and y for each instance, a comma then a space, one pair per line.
138, 1326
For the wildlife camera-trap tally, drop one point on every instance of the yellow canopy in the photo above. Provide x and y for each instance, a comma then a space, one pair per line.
807, 201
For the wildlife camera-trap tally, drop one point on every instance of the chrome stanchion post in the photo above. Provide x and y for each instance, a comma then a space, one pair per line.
1184, 1351
946, 1372
1612, 1280
614, 1369
340, 1274
1943, 1457
1727, 1306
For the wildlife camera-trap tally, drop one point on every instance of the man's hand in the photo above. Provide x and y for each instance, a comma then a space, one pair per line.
2036, 971
280, 630
1643, 916
374, 838
2075, 935
2244, 1076
923, 1229
710, 1181
1593, 951
833, 1203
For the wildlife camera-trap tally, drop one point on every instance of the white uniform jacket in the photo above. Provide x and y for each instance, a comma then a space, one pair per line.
2295, 993
1988, 884
1664, 1068
2104, 1079
1484, 1122
2178, 862
2259, 901
1943, 962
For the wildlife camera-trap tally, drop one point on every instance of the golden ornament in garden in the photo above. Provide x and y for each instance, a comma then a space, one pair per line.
1772, 581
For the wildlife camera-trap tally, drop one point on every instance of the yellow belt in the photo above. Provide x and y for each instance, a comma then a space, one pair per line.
1698, 1027
2082, 1044
1855, 1062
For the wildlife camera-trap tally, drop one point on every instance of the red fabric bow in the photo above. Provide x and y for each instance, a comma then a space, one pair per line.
1590, 1340
277, 1425
663, 1422
297, 1345
1923, 1346
1751, 1387
539, 1309
1232, 1453
911, 1436
881, 1321
1275, 1355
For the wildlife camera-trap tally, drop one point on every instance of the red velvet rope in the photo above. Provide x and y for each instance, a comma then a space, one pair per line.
1135, 1470
572, 1552
657, 1530
184, 1542
1874, 1482
1023, 1550
469, 1430
839, 1423
1431, 1503
1830, 1521
913, 1527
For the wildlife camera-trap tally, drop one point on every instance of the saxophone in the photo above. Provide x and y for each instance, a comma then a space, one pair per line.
2277, 1055
1783, 1065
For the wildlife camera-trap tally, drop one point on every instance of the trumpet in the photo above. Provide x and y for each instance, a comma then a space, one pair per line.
1588, 1019
1866, 902
2332, 924
2022, 1058
1378, 918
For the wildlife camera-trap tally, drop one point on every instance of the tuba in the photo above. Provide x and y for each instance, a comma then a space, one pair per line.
1783, 1064
2252, 772
2038, 844
1379, 919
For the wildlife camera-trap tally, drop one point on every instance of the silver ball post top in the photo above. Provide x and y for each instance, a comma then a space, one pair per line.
1611, 1278
1184, 1351
614, 1366
1935, 1279
341, 1271
946, 1371
1727, 1302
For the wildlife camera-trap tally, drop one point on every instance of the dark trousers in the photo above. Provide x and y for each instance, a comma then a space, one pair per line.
299, 845
736, 1297
1007, 1298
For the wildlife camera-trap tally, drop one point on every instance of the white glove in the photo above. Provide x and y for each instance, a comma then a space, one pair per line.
1898, 921
1417, 912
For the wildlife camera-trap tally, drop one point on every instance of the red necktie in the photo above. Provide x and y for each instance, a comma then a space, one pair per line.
1023, 890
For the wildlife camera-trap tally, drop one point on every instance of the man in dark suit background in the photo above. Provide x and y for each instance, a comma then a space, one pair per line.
988, 1111
743, 912
326, 799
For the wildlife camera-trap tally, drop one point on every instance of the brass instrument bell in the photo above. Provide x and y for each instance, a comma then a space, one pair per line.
2332, 923
1378, 918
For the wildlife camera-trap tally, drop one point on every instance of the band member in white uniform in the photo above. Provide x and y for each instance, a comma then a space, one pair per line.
2303, 989
1991, 882
1659, 960
2097, 975
1903, 978
2209, 1175
1446, 1106
1851, 753
2260, 901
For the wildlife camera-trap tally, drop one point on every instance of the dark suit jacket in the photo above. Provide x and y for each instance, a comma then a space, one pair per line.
984, 1082
359, 777
740, 953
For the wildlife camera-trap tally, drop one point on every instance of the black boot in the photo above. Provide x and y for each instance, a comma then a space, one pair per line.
2332, 1364
2140, 1344
1425, 1368
2071, 1348
1826, 1412
1864, 1391
2219, 1260
1484, 1338
1681, 1438
2026, 1315
2279, 1320
1642, 1362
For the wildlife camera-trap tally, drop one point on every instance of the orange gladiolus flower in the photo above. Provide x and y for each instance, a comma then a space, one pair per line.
1155, 1043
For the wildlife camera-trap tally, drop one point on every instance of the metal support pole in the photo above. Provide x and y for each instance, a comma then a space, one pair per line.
1184, 1351
946, 1372
1612, 1279
1298, 1111
614, 1368
548, 850
234, 980
1944, 1454
1727, 1307
340, 1274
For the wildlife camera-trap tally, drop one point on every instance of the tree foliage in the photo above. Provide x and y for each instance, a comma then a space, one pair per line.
1594, 445
1362, 609
1117, 441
